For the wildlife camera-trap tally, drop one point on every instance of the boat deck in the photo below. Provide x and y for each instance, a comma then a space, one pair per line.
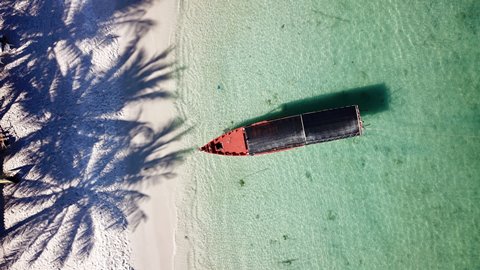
289, 132
304, 129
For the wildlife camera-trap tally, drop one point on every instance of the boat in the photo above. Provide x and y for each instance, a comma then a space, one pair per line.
281, 134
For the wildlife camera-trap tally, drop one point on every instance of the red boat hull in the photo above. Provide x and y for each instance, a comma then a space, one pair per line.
287, 133
231, 143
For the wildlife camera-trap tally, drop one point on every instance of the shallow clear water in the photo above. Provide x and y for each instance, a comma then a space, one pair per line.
406, 195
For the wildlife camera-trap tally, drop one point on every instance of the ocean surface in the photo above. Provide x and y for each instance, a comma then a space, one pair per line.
405, 195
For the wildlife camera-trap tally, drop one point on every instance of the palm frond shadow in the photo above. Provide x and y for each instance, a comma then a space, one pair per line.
80, 161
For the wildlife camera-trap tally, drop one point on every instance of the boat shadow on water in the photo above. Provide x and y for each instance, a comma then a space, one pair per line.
370, 99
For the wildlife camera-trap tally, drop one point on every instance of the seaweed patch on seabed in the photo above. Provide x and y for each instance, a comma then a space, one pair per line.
79, 161
220, 86
273, 100
331, 215
309, 176
288, 261
242, 182
470, 17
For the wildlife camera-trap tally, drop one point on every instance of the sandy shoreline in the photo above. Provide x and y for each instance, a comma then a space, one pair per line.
153, 241
85, 93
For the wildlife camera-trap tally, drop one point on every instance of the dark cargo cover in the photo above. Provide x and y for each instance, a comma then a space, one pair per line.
331, 124
303, 129
275, 135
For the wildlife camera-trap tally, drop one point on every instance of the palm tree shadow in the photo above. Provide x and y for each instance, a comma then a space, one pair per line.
79, 159
2, 212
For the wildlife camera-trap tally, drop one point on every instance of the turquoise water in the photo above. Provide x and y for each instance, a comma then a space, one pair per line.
406, 195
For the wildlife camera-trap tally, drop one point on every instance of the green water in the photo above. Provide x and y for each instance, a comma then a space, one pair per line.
406, 195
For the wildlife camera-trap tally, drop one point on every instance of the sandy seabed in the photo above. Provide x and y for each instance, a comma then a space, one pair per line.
87, 99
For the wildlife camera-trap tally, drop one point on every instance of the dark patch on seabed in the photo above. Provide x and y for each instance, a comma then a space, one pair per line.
371, 99
331, 215
470, 17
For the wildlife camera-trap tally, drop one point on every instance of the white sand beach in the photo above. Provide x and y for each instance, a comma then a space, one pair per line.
153, 241
86, 98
